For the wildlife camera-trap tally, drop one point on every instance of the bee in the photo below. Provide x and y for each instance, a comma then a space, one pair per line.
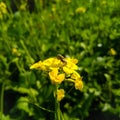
60, 57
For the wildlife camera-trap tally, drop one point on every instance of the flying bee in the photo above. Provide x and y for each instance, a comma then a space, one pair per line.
60, 57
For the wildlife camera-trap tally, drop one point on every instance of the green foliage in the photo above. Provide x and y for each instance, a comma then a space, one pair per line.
57, 27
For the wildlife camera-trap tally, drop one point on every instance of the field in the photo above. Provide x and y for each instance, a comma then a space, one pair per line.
82, 33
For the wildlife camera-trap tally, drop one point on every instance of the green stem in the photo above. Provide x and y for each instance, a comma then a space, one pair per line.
1, 101
23, 45
56, 105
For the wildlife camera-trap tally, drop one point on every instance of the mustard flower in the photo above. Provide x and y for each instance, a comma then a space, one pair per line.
59, 68
75, 61
3, 9
75, 75
15, 52
60, 94
23, 6
78, 84
53, 8
77, 79
47, 64
80, 10
55, 77
52, 63
39, 66
112, 51
71, 66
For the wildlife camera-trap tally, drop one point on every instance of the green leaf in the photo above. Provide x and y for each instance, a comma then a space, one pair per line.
116, 92
5, 117
23, 104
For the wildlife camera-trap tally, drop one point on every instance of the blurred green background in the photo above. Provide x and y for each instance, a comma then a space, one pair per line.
33, 30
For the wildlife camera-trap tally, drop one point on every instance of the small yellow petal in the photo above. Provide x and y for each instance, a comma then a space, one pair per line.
70, 68
78, 84
75, 61
60, 94
35, 65
39, 66
61, 77
112, 51
55, 77
67, 70
75, 75
54, 72
80, 10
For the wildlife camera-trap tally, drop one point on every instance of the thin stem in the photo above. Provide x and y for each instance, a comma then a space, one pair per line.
23, 45
1, 103
56, 105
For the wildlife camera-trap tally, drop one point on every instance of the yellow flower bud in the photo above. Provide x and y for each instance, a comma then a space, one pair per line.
60, 94
112, 51
3, 10
78, 84
80, 10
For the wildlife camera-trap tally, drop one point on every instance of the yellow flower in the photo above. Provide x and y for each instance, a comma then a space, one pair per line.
15, 52
80, 10
60, 94
112, 51
55, 77
52, 63
58, 71
3, 9
75, 61
77, 80
23, 6
48, 64
71, 66
39, 65
78, 84
75, 75
53, 8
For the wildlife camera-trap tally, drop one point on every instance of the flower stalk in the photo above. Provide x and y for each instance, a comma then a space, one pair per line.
59, 70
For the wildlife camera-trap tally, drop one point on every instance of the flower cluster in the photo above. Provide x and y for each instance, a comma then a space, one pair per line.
60, 69
3, 9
